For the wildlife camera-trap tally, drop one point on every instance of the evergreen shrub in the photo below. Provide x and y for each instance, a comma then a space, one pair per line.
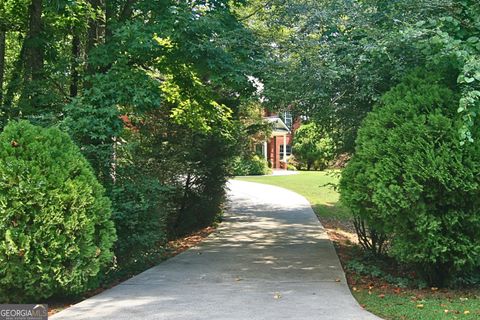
56, 233
412, 180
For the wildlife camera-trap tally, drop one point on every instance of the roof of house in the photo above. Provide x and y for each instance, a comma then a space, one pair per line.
279, 127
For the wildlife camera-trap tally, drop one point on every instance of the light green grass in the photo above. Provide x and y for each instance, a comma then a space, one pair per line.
316, 186
453, 305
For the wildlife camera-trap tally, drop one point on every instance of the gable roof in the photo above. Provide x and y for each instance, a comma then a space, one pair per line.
279, 127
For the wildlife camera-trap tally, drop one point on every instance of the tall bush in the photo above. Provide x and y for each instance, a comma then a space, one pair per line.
412, 180
203, 189
55, 228
141, 207
312, 147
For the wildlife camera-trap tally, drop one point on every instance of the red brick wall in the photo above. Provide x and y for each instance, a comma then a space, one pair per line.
273, 153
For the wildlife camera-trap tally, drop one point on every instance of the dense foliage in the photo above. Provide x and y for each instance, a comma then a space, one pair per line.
140, 214
164, 99
313, 148
150, 91
56, 233
252, 165
346, 54
412, 181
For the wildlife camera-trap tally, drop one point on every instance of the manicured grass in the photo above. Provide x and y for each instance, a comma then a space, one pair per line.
435, 306
316, 186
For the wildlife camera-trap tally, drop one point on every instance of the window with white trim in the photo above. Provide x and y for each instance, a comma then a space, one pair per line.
289, 151
287, 119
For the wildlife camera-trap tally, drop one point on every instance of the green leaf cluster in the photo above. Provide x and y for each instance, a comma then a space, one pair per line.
251, 165
411, 180
56, 232
313, 147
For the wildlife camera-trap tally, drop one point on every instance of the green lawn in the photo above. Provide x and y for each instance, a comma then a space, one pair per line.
316, 186
449, 305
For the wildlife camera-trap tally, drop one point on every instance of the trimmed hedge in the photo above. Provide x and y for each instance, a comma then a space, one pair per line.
55, 228
412, 180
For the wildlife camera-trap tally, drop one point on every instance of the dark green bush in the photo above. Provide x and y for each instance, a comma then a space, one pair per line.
412, 180
202, 193
55, 227
313, 148
249, 166
141, 206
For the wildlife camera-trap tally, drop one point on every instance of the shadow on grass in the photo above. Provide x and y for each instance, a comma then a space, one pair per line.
332, 210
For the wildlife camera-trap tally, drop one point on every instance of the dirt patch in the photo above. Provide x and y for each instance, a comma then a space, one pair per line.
177, 246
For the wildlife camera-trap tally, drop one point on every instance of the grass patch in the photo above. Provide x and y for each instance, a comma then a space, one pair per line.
316, 186
420, 306
378, 288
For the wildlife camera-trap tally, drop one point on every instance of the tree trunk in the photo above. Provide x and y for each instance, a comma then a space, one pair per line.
33, 61
34, 43
74, 65
2, 64
127, 10
109, 16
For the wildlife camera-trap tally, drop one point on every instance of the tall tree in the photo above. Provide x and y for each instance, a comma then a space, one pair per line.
2, 63
74, 65
34, 44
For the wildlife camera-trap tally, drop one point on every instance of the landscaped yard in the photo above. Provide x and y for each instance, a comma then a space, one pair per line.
374, 293
316, 186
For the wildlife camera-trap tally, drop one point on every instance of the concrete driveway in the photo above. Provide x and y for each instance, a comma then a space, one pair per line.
270, 259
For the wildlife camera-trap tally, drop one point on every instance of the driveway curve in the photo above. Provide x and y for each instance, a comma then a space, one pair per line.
269, 259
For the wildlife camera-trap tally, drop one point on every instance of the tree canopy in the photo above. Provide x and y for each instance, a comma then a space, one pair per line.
346, 54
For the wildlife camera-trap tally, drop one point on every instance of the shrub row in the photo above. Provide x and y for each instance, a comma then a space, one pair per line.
249, 165
62, 232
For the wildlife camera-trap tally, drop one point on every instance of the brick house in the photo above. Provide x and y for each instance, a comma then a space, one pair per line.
278, 148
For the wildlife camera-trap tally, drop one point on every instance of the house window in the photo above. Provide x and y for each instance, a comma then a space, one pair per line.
287, 119
289, 151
